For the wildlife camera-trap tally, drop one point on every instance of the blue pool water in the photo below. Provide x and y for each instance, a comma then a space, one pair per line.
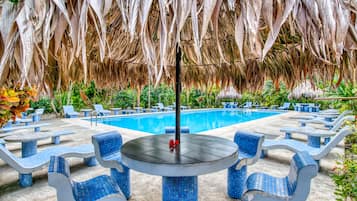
197, 121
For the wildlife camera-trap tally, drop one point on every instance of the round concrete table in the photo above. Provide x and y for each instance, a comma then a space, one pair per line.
86, 112
179, 168
313, 135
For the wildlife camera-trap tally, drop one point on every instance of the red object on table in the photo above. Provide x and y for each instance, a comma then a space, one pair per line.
177, 142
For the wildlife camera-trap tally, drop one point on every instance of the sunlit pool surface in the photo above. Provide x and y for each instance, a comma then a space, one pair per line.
197, 121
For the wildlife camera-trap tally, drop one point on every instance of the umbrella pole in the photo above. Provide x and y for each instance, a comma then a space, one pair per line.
178, 92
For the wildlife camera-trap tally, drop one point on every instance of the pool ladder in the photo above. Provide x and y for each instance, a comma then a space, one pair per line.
96, 118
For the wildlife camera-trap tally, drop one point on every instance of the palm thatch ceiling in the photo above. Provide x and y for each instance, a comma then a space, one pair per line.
50, 43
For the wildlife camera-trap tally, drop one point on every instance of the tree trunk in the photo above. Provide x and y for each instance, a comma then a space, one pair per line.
138, 96
69, 94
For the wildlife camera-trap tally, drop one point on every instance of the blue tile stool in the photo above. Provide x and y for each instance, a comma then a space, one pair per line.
101, 188
250, 148
172, 130
295, 186
107, 151
179, 188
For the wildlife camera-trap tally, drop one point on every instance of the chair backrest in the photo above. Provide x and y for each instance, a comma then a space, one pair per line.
345, 131
286, 104
68, 109
302, 169
339, 123
160, 105
343, 114
248, 104
106, 143
39, 111
249, 143
98, 107
59, 178
172, 130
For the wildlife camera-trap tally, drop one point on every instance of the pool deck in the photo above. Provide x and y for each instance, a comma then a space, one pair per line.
212, 187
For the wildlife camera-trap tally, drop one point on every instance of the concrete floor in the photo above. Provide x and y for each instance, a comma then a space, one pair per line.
212, 187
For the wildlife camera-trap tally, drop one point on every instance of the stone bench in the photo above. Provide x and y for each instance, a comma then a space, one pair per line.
25, 166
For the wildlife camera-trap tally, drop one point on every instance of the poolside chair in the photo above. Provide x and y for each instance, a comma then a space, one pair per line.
298, 107
100, 110
250, 147
69, 112
295, 186
25, 166
172, 130
328, 124
161, 107
285, 106
107, 151
247, 105
297, 146
289, 130
101, 188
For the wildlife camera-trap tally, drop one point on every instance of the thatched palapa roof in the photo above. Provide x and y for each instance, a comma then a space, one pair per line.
116, 43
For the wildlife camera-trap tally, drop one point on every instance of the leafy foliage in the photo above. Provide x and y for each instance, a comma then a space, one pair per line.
13, 101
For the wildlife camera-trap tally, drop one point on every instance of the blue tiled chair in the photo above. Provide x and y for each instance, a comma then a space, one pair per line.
285, 106
107, 151
172, 130
69, 112
25, 166
295, 186
101, 188
250, 147
100, 110
297, 146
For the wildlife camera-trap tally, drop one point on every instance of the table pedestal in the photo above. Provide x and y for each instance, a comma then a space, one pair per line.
90, 162
28, 149
122, 179
179, 188
236, 181
314, 141
25, 180
86, 113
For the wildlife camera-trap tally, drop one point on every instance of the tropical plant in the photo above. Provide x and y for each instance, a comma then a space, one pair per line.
13, 101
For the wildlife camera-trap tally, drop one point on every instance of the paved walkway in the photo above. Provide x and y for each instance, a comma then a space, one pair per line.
212, 187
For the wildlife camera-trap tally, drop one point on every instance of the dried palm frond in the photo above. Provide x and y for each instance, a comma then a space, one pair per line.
125, 43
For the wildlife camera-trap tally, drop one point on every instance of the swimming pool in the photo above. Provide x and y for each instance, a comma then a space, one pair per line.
197, 121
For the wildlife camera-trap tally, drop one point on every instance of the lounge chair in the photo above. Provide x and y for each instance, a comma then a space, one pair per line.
297, 146
298, 107
247, 105
295, 186
161, 107
328, 124
172, 130
285, 106
100, 110
288, 131
25, 166
101, 188
69, 112
107, 151
250, 147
